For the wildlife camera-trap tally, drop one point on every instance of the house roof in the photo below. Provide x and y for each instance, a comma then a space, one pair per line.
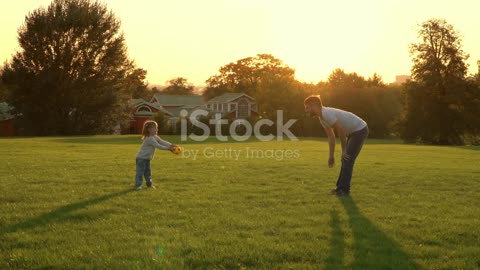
228, 97
176, 111
140, 102
180, 100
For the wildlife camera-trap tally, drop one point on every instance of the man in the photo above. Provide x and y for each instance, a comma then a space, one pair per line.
351, 130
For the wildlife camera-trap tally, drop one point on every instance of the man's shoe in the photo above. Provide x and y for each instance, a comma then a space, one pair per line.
340, 192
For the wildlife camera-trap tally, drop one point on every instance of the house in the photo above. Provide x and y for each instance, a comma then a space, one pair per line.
174, 104
234, 105
170, 105
230, 105
7, 121
143, 111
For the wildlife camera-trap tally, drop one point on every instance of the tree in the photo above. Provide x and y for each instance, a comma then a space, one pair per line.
71, 74
263, 77
178, 86
472, 108
370, 99
163, 123
434, 100
246, 75
3, 89
477, 76
340, 80
136, 83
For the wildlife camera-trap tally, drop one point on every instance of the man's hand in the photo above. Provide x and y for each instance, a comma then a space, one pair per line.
331, 162
345, 156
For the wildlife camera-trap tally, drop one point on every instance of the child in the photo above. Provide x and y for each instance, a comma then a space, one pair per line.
147, 151
351, 130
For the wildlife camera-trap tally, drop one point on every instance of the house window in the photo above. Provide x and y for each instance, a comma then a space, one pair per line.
243, 111
225, 107
144, 109
233, 106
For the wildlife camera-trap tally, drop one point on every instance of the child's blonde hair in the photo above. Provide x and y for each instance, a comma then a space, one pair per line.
148, 124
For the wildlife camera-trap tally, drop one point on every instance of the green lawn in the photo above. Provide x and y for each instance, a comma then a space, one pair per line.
68, 203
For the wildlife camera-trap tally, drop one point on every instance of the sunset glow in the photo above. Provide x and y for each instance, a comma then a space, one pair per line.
194, 38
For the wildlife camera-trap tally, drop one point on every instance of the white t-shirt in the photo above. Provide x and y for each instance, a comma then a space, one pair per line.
348, 120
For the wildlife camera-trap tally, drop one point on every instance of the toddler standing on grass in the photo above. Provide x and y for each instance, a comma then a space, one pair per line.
150, 141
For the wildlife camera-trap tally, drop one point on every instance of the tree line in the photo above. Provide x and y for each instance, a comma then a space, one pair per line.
72, 75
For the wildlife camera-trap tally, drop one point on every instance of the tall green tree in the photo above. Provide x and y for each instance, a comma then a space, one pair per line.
246, 75
472, 108
434, 100
3, 88
263, 77
71, 74
135, 82
371, 99
178, 86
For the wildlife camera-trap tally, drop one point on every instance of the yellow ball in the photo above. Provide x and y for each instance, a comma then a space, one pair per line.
177, 150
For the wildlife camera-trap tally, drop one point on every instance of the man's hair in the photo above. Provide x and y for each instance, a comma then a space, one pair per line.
313, 100
148, 124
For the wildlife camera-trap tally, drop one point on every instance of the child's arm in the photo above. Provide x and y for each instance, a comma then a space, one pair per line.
156, 144
168, 145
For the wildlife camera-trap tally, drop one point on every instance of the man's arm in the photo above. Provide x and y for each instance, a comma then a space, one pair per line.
331, 146
342, 134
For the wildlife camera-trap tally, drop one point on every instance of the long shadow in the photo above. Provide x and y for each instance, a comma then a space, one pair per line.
59, 214
372, 248
337, 244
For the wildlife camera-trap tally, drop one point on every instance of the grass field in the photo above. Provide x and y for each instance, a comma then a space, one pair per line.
68, 203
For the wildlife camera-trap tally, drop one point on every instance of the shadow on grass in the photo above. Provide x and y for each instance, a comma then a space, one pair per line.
59, 214
337, 244
372, 249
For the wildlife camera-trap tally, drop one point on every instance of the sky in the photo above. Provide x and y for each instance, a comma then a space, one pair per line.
193, 39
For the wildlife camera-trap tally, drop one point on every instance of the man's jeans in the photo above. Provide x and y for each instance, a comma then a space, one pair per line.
354, 145
143, 170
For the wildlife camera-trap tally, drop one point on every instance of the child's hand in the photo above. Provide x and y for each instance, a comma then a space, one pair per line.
173, 147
